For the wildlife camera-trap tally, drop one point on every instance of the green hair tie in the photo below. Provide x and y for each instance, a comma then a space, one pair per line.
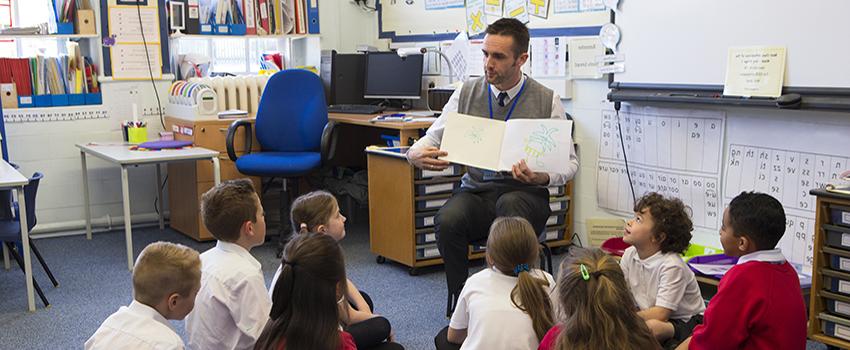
584, 273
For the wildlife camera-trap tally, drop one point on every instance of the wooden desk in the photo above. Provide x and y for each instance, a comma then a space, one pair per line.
10, 178
121, 155
405, 130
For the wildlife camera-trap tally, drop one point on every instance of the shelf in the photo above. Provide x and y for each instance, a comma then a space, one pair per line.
212, 36
48, 36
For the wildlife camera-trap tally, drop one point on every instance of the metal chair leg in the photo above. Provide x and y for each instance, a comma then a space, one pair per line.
20, 262
43, 264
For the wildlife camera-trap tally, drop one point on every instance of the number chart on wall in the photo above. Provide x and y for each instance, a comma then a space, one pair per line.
785, 165
675, 152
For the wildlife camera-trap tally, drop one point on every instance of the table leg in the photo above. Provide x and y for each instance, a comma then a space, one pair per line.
25, 242
404, 135
216, 170
159, 195
5, 257
87, 206
125, 193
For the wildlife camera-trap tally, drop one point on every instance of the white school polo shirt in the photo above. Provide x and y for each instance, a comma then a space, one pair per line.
232, 306
485, 310
664, 280
137, 326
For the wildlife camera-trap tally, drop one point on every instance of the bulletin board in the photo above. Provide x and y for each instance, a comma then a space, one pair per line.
159, 41
437, 20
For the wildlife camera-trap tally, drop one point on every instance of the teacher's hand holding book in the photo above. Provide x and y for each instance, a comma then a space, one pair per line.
427, 158
523, 173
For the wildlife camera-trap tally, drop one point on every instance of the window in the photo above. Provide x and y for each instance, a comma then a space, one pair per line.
236, 55
27, 13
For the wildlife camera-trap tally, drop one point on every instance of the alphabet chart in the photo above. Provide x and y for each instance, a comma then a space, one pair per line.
675, 152
779, 162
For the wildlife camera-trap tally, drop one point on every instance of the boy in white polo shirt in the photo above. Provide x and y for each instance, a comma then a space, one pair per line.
233, 305
664, 288
166, 279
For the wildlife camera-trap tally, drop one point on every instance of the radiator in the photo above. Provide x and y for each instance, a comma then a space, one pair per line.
239, 92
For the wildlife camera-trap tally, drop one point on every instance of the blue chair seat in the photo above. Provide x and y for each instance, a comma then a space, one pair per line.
10, 231
278, 163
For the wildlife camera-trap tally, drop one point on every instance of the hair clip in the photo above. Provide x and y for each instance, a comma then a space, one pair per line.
520, 268
584, 273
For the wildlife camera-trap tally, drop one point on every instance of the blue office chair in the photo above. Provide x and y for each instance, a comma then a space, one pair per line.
10, 232
294, 133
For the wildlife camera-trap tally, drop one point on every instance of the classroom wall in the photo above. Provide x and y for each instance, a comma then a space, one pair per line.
344, 26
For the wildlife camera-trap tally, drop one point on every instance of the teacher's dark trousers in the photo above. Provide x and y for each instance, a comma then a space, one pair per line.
467, 217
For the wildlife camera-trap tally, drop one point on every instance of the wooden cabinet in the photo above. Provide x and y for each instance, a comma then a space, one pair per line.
187, 181
404, 200
829, 303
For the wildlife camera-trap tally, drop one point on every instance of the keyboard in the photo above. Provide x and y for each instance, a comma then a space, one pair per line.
355, 109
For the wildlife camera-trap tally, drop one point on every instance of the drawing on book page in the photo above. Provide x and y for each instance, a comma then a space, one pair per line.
475, 134
539, 143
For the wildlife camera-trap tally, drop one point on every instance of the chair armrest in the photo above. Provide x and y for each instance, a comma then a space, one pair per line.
328, 142
231, 133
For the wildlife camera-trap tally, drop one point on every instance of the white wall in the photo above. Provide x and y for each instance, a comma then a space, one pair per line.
344, 26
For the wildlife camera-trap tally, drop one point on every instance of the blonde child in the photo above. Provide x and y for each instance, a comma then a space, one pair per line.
664, 288
596, 308
318, 211
758, 304
166, 279
233, 304
507, 305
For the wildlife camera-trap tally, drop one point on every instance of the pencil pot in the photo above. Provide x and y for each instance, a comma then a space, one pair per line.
137, 135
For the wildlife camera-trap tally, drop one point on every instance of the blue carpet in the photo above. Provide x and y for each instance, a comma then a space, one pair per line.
94, 282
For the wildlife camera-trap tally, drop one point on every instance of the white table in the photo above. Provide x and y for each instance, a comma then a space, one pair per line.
121, 155
12, 179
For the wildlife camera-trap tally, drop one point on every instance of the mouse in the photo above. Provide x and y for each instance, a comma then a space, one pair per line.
791, 101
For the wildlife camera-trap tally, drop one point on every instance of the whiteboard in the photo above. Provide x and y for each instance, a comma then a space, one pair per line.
401, 20
686, 42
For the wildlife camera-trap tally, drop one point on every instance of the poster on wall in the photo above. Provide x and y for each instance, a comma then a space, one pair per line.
516, 9
538, 8
475, 18
493, 8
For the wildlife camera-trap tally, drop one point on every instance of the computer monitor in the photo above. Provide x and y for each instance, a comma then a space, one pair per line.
392, 77
344, 84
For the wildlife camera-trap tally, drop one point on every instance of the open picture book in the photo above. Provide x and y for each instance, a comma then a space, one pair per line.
497, 145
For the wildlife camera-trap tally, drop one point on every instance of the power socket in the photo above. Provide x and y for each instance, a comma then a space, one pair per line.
151, 111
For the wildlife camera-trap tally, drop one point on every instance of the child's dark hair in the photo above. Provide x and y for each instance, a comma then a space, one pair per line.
759, 217
513, 28
227, 206
672, 226
513, 248
597, 308
305, 312
311, 210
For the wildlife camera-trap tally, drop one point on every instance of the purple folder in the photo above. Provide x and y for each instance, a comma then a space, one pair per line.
171, 144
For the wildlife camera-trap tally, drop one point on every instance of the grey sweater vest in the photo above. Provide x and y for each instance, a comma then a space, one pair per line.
534, 103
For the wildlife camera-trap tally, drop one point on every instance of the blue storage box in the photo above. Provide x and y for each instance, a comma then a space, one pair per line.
835, 326
207, 28
76, 99
836, 282
840, 215
221, 29
238, 29
25, 102
836, 304
837, 236
42, 101
59, 100
94, 98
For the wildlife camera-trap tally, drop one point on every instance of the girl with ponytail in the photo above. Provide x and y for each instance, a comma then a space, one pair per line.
509, 304
597, 308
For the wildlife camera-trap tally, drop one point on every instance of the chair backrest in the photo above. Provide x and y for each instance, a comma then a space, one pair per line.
30, 191
292, 112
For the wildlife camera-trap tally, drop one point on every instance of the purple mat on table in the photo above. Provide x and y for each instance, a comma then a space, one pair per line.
716, 259
157, 145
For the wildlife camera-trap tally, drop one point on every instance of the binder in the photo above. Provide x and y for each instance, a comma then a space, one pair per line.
250, 20
297, 5
313, 16
263, 28
278, 20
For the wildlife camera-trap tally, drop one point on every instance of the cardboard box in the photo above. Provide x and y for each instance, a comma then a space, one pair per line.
85, 22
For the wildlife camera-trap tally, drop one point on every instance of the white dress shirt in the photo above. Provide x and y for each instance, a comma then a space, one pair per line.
434, 135
773, 256
137, 326
664, 280
232, 306
492, 321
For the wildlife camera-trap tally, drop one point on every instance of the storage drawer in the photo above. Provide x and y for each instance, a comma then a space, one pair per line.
556, 190
432, 202
559, 203
840, 215
452, 170
555, 233
835, 326
428, 251
427, 236
837, 236
839, 259
556, 218
836, 282
837, 304
436, 188
425, 219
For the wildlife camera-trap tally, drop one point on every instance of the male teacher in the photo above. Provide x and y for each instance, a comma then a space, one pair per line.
503, 93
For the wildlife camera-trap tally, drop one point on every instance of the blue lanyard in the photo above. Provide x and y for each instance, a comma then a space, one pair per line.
510, 111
